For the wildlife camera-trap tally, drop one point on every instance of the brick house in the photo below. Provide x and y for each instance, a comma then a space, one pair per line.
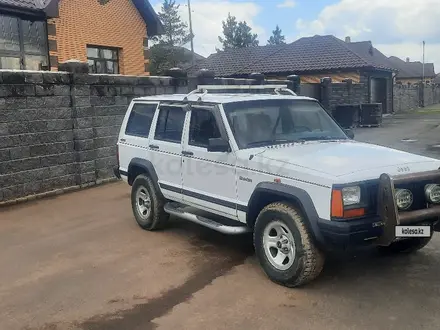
412, 72
312, 58
111, 35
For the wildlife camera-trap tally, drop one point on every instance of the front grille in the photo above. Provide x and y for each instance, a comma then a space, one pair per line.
372, 189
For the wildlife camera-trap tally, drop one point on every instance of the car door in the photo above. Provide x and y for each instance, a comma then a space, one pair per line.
166, 149
208, 177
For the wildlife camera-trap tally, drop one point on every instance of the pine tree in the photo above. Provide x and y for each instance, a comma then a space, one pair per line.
167, 51
237, 34
277, 38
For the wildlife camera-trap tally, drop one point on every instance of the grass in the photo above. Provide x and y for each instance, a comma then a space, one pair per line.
432, 109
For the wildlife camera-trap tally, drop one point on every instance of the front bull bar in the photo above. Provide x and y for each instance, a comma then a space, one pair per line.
387, 207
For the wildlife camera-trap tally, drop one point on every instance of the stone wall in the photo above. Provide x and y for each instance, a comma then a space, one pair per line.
431, 95
60, 129
405, 98
344, 93
409, 97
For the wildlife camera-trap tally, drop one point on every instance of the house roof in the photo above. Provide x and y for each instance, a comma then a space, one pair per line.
411, 69
229, 62
372, 55
154, 25
309, 54
50, 9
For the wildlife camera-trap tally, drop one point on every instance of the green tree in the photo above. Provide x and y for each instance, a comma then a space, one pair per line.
277, 38
237, 34
167, 51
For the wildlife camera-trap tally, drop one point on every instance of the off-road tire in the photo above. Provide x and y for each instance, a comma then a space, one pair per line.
406, 246
308, 261
158, 217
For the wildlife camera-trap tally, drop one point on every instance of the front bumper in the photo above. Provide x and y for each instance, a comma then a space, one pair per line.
380, 229
387, 208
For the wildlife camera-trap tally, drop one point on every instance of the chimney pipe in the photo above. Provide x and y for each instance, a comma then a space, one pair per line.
347, 39
407, 59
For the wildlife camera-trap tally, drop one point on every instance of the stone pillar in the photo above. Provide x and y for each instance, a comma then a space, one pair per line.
294, 83
205, 77
74, 66
421, 88
82, 118
349, 83
258, 78
179, 80
326, 91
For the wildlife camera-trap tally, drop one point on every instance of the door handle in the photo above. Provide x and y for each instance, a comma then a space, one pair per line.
187, 153
153, 146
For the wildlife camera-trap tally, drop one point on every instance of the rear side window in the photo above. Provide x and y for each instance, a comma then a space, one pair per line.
140, 119
170, 124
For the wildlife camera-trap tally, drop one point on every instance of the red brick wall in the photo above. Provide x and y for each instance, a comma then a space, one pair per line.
87, 22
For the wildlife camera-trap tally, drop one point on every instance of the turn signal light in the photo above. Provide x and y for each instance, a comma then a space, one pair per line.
337, 207
353, 213
337, 204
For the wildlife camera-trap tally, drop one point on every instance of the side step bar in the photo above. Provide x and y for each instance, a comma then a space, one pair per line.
178, 211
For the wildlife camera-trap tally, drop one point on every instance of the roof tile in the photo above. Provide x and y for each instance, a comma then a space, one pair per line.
411, 69
315, 53
29, 4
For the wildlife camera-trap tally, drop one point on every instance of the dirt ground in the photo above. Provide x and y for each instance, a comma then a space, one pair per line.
79, 261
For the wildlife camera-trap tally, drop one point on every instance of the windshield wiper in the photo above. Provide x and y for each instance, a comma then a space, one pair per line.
267, 142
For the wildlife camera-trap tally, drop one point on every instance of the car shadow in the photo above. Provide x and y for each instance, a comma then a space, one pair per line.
342, 271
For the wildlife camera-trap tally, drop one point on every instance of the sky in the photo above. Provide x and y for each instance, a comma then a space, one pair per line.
395, 27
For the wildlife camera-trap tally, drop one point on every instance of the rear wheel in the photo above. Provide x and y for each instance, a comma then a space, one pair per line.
284, 246
147, 204
406, 246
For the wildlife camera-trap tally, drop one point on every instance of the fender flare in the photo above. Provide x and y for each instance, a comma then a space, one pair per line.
147, 167
287, 193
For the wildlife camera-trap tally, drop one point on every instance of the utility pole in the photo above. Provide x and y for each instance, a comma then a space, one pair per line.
191, 32
423, 63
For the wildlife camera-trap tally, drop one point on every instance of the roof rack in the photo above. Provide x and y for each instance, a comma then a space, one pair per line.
240, 87
204, 89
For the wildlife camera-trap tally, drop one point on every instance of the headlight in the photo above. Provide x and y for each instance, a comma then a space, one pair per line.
351, 195
432, 193
404, 198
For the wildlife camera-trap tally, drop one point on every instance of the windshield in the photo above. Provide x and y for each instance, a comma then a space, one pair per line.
267, 122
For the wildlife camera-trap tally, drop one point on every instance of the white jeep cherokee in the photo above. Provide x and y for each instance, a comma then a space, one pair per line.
277, 165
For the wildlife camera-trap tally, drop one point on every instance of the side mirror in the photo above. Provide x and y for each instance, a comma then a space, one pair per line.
218, 145
349, 133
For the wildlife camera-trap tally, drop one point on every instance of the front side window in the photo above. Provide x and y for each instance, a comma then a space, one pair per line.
202, 127
267, 122
140, 119
23, 44
103, 59
170, 124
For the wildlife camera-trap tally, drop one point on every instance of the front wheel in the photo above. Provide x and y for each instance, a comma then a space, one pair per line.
147, 204
406, 245
284, 246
